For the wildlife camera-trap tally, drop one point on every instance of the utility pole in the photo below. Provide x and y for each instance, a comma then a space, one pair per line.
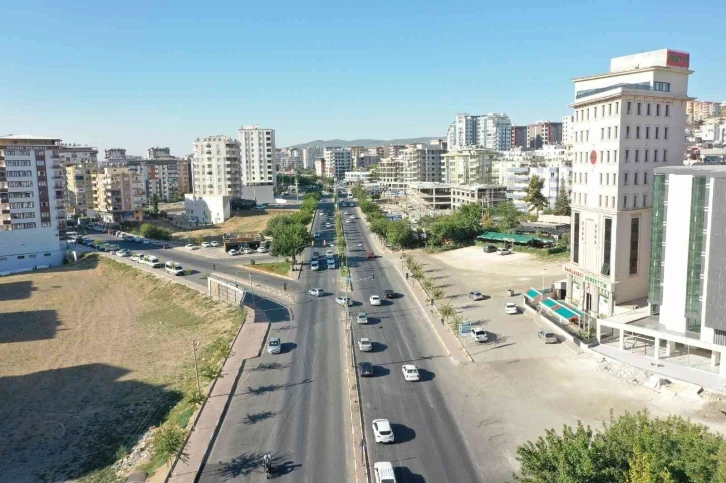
196, 368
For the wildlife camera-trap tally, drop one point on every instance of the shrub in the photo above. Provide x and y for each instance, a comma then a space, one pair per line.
154, 232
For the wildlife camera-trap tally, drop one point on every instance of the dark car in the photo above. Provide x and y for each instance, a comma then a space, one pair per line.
316, 254
389, 294
370, 255
490, 249
365, 369
165, 246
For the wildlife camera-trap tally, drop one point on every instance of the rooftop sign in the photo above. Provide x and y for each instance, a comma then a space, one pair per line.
678, 59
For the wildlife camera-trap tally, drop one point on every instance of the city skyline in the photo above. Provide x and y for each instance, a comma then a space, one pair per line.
140, 78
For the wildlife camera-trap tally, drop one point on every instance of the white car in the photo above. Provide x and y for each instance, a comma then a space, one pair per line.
247, 251
206, 245
189, 246
343, 301
375, 300
347, 221
382, 431
504, 251
146, 241
232, 252
511, 308
262, 250
365, 345
214, 244
346, 213
410, 373
156, 243
329, 253
123, 253
135, 258
273, 346
328, 225
479, 334
316, 292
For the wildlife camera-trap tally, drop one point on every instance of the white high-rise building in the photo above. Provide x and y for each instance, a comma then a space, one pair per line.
627, 122
338, 161
568, 133
257, 156
309, 155
32, 209
462, 131
422, 162
216, 166
494, 131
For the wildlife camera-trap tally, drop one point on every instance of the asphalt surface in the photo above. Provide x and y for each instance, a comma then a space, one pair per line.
429, 444
291, 405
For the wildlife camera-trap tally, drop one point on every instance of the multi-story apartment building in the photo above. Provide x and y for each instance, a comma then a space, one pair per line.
422, 162
338, 161
492, 131
114, 157
32, 209
627, 122
309, 155
484, 195
216, 166
702, 110
365, 161
186, 183
519, 137
390, 173
462, 132
469, 166
257, 156
319, 166
158, 153
79, 189
355, 153
77, 154
119, 195
543, 132
554, 177
567, 129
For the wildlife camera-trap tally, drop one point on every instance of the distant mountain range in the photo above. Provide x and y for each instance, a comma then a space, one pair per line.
366, 143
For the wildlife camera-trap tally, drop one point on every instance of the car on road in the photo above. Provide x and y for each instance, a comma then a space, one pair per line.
328, 225
189, 246
340, 300
346, 213
389, 294
504, 251
151, 261
511, 308
317, 234
370, 255
135, 258
128, 238
214, 244
123, 253
479, 334
137, 239
347, 221
375, 300
351, 217
362, 318
173, 268
382, 431
365, 345
490, 249
383, 472
314, 265
273, 346
476, 295
365, 369
206, 245
547, 336
316, 292
146, 241
410, 373
156, 243
232, 252
165, 246
329, 253
262, 250
331, 263
247, 251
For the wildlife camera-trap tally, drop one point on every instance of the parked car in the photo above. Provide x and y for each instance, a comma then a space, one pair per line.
343, 301
146, 241
476, 295
362, 318
151, 261
206, 245
317, 234
365, 345
247, 251
370, 255
316, 292
174, 268
189, 246
329, 253
347, 221
331, 263
156, 243
490, 249
504, 251
328, 225
382, 431
511, 308
548, 337
375, 300
365, 369
262, 250
389, 294
123, 253
479, 334
128, 238
316, 254
135, 258
273, 346
214, 244
410, 373
165, 246
232, 252
314, 265
137, 239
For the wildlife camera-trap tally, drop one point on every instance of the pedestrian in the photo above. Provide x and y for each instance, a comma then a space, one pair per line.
214, 267
406, 275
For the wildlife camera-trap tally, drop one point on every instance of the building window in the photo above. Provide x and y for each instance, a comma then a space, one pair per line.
627, 155
625, 179
662, 86
657, 109
600, 179
615, 132
645, 177
637, 155
657, 132
576, 239
609, 132
602, 133
637, 132
629, 108
638, 111
46, 254
665, 133
646, 156
634, 240
645, 201
655, 155
647, 109
625, 202
665, 155
647, 132
615, 155
635, 178
667, 110
627, 132
599, 201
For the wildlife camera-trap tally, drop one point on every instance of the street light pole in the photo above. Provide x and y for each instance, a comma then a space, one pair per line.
196, 368
543, 282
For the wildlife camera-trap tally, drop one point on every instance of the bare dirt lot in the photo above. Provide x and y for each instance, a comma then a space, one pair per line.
252, 223
92, 355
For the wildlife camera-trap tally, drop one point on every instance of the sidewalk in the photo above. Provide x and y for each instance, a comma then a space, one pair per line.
709, 380
247, 344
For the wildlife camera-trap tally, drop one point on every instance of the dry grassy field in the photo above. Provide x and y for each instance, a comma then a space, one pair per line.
92, 355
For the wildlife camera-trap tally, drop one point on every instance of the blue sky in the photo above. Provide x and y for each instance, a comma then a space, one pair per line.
139, 74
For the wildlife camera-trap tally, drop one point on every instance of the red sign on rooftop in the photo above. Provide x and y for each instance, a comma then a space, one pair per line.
678, 59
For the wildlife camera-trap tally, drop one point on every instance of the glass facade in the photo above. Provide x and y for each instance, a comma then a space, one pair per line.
657, 235
634, 243
695, 254
607, 245
576, 239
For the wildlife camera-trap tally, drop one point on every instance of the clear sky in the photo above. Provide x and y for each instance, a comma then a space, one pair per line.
136, 74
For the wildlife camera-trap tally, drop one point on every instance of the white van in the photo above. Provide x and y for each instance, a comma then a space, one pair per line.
383, 471
152, 261
173, 268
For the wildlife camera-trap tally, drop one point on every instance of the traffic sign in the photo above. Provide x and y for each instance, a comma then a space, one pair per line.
465, 328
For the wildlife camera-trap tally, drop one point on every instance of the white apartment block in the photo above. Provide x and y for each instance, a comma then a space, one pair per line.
568, 133
358, 177
119, 195
554, 177
79, 189
114, 156
627, 122
338, 161
702, 110
257, 156
309, 155
216, 166
492, 131
422, 162
462, 132
71, 154
468, 166
32, 209
483, 195
319, 166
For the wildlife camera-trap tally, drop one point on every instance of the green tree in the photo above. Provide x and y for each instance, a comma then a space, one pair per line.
533, 194
154, 232
505, 216
169, 441
379, 226
290, 239
399, 233
447, 311
562, 202
276, 223
155, 204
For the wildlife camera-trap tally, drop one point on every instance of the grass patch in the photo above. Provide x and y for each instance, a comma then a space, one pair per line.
546, 254
280, 268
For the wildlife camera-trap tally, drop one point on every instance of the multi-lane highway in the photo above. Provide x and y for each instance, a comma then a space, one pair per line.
429, 445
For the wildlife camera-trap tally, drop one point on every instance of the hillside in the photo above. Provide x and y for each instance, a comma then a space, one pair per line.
366, 143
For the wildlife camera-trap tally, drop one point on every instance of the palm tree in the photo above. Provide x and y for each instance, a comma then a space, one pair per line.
447, 311
407, 259
428, 285
437, 293
456, 322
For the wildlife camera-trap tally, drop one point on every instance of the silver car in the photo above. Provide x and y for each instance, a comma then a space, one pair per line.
273, 345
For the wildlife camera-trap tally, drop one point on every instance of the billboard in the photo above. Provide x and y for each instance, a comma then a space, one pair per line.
678, 59
394, 217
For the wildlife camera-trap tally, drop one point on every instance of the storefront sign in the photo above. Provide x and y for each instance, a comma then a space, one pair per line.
607, 286
598, 283
678, 59
573, 272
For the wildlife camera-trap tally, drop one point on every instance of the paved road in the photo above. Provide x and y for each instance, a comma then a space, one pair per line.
430, 446
291, 405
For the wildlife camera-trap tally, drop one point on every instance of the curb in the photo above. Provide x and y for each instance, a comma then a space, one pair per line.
249, 267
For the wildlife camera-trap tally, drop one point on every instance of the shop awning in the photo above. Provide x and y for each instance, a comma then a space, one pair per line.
510, 237
532, 293
567, 313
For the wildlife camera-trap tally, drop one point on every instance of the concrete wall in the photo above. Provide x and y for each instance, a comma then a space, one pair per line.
207, 209
225, 291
